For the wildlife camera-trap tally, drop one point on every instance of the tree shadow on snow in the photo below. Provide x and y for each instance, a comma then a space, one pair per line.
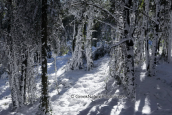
72, 77
30, 109
97, 107
105, 106
153, 95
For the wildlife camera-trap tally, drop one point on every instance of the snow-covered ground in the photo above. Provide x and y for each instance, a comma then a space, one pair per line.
81, 92
154, 94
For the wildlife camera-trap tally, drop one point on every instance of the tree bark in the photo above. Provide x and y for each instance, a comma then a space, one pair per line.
147, 39
129, 54
44, 97
154, 45
23, 82
89, 42
170, 37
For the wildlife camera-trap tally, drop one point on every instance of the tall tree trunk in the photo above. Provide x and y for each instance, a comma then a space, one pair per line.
147, 39
88, 43
77, 56
12, 78
170, 37
74, 37
117, 59
154, 45
44, 97
129, 54
23, 82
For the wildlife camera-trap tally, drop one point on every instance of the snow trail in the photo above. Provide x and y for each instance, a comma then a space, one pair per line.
80, 92
75, 85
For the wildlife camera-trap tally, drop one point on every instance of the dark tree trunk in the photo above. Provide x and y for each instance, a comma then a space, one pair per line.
73, 44
23, 81
44, 98
148, 63
159, 42
74, 37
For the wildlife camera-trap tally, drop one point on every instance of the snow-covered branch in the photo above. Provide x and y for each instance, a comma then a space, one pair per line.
97, 6
105, 10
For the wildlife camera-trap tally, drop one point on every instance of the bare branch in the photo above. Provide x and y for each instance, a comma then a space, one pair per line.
119, 43
143, 14
148, 17
106, 23
105, 10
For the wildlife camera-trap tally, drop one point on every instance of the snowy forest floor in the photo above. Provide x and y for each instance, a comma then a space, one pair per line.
153, 94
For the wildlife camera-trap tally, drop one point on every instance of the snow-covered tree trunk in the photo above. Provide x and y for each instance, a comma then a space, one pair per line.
147, 37
129, 54
141, 38
76, 62
13, 73
88, 43
13, 77
122, 66
155, 38
117, 57
130, 68
23, 80
74, 37
153, 56
141, 45
170, 38
56, 51
30, 83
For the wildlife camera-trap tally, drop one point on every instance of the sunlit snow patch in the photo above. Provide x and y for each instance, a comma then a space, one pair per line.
117, 108
158, 87
142, 76
146, 109
144, 66
137, 103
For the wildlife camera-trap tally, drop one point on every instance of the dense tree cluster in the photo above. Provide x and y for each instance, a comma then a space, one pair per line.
132, 32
